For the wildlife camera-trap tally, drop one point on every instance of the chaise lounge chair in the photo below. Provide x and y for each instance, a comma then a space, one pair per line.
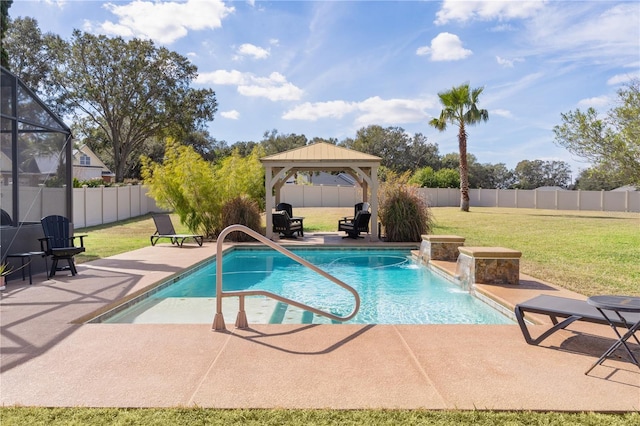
561, 307
165, 229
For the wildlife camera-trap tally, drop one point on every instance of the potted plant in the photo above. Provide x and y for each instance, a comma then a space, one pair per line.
5, 269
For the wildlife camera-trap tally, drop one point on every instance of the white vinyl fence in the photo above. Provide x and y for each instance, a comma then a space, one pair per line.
97, 206
336, 196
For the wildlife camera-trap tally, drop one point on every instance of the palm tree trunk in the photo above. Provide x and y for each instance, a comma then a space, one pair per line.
464, 169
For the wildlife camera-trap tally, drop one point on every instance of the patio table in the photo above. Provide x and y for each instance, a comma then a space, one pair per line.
618, 305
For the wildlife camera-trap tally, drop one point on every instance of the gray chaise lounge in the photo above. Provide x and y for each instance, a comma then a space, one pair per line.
561, 307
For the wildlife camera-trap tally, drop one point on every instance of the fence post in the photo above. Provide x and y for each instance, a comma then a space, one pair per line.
101, 204
579, 206
84, 208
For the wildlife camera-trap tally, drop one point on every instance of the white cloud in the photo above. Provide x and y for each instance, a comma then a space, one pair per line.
275, 87
255, 52
595, 102
445, 47
380, 111
585, 31
223, 77
502, 28
374, 110
59, 3
231, 115
453, 10
164, 22
508, 63
501, 113
622, 78
313, 111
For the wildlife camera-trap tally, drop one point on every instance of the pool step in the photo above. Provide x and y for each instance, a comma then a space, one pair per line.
201, 310
286, 314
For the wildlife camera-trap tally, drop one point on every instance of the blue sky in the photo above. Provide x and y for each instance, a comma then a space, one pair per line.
329, 68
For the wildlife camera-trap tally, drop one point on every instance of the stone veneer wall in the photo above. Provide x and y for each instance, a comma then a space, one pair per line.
440, 247
488, 265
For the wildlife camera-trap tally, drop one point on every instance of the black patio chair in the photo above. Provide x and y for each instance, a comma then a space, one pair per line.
5, 218
354, 227
285, 207
283, 225
356, 208
59, 243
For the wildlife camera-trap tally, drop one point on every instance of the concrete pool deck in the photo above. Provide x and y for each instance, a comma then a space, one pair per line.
49, 359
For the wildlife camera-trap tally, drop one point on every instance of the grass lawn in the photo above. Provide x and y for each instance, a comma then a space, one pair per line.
198, 416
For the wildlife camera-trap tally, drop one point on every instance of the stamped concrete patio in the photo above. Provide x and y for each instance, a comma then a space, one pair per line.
49, 357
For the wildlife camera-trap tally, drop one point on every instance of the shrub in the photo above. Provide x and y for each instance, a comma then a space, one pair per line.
241, 210
185, 183
197, 191
403, 213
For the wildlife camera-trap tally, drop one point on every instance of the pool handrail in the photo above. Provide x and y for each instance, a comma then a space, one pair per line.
241, 319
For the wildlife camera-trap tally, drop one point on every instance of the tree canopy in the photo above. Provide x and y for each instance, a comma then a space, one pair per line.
611, 142
399, 151
120, 94
536, 173
4, 21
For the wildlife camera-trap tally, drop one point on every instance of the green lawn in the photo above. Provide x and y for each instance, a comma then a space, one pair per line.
199, 416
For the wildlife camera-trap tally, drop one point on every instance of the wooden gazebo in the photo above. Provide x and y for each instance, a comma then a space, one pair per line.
327, 158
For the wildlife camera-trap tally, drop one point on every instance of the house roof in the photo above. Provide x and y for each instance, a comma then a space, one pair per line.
327, 179
321, 151
626, 188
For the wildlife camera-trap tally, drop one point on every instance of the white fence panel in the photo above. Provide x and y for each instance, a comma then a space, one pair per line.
110, 204
590, 200
615, 201
568, 200
79, 204
123, 195
134, 199
506, 198
293, 194
546, 200
312, 196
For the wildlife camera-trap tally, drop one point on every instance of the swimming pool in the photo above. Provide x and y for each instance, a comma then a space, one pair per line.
393, 289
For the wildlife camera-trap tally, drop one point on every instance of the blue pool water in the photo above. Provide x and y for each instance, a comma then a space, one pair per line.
393, 290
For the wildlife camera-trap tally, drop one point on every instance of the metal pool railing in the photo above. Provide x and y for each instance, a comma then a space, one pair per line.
241, 319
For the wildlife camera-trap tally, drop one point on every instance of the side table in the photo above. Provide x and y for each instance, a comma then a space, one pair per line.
26, 257
625, 308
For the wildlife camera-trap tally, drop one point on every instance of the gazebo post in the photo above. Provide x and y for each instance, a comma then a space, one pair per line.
268, 205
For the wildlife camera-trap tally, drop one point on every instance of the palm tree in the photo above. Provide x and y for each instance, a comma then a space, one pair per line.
460, 108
